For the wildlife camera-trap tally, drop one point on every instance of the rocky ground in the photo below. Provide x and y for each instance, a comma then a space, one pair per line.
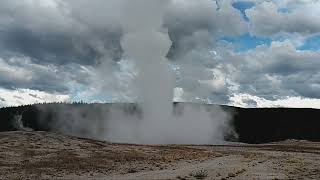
42, 155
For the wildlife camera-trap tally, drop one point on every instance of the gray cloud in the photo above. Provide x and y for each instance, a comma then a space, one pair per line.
84, 31
267, 19
70, 33
21, 72
52, 32
47, 47
270, 72
277, 71
196, 24
53, 45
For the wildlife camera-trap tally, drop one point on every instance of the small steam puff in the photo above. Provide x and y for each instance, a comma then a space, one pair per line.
147, 43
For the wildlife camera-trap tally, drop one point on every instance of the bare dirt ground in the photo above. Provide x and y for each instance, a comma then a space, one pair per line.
42, 155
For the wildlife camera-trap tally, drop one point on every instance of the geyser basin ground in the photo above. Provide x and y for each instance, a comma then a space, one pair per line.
42, 155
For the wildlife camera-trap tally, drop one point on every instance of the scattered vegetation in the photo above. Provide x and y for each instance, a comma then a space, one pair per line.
199, 174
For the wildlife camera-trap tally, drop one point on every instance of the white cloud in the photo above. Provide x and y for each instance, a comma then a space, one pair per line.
250, 101
26, 96
14, 73
178, 95
217, 83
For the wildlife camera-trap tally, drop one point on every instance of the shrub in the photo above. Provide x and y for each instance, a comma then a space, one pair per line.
200, 174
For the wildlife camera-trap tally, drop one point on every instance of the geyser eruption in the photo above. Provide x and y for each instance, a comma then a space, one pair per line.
146, 41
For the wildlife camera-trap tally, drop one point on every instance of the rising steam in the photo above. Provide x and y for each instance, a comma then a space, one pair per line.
146, 42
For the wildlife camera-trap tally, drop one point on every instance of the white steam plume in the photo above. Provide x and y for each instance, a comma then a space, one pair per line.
146, 41
148, 44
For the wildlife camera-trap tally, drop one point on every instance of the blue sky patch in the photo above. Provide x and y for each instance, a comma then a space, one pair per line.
312, 43
242, 6
246, 42
284, 10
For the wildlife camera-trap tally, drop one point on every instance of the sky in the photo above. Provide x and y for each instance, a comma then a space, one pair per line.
247, 53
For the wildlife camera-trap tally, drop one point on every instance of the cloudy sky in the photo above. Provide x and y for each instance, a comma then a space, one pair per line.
251, 53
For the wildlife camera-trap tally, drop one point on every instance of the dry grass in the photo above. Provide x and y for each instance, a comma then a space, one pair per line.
39, 156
